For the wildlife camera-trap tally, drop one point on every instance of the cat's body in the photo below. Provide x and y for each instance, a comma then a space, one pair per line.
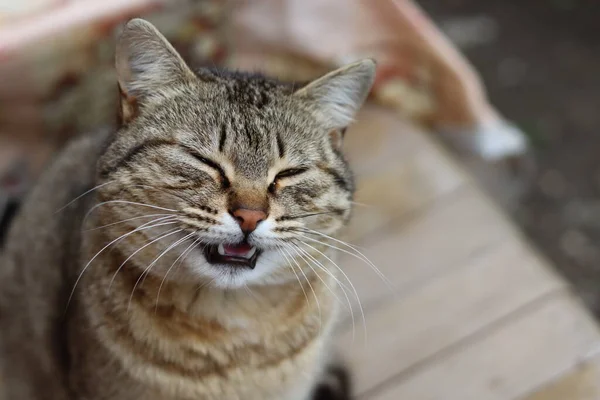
180, 276
71, 175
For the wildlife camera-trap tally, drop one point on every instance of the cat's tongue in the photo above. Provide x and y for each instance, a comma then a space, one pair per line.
237, 250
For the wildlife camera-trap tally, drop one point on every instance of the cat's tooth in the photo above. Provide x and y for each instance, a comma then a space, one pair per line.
250, 253
221, 249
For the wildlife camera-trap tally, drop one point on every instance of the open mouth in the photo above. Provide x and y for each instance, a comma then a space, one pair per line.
241, 254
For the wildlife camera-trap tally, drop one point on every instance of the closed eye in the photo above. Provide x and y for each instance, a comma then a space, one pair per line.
286, 173
209, 163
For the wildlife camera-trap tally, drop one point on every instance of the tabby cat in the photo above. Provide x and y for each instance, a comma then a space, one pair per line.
193, 262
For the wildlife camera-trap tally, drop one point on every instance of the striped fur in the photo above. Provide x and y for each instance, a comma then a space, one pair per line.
86, 315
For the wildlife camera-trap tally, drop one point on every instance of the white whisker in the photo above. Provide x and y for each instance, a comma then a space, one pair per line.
82, 195
295, 248
362, 312
149, 267
127, 220
319, 265
139, 228
125, 202
309, 285
183, 253
322, 268
166, 234
358, 254
294, 271
342, 285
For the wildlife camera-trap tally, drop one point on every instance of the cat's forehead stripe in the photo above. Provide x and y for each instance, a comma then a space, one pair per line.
223, 137
280, 145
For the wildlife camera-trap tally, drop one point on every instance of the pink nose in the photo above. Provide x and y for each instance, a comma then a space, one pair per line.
249, 219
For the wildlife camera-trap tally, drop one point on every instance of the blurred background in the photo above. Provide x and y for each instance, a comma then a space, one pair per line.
540, 61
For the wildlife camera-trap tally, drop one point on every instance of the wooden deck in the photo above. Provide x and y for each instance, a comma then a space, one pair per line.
474, 313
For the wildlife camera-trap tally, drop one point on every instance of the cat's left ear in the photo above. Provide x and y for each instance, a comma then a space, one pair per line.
338, 95
146, 63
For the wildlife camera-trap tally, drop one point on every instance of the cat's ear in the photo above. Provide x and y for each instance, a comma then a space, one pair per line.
338, 95
146, 62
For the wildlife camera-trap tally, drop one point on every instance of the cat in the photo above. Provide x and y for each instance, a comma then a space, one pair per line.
193, 262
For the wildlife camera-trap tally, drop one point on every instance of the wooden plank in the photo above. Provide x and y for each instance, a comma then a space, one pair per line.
444, 311
507, 363
579, 383
456, 229
402, 187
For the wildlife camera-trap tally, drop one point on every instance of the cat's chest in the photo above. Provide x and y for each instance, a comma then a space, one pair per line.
192, 364
166, 354
263, 378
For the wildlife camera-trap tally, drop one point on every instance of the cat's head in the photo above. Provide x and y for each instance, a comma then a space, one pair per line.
248, 170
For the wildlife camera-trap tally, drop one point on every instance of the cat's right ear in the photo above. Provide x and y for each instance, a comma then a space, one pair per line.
145, 62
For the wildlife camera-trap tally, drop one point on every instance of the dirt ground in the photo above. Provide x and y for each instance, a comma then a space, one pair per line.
540, 60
